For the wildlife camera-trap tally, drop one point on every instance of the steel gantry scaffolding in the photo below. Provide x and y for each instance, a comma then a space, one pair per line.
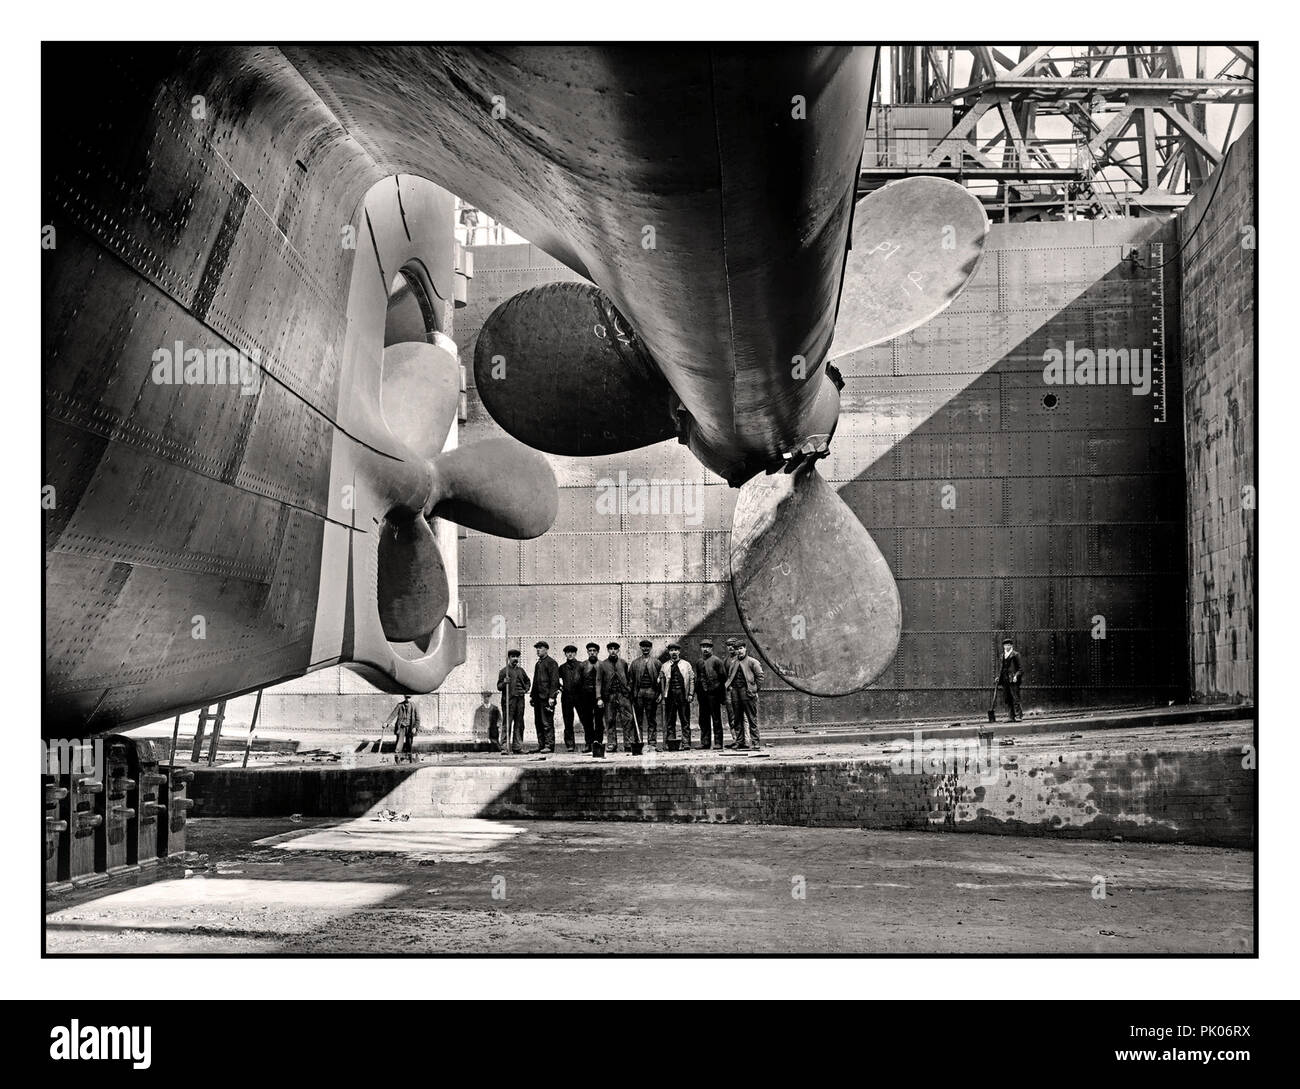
1061, 132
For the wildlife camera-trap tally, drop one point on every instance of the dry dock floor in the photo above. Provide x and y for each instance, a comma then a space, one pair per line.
431, 885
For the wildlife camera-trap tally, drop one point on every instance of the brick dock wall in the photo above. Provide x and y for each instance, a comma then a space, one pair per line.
1217, 265
1199, 796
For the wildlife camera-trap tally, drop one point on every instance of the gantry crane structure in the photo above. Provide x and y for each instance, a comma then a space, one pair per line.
1060, 131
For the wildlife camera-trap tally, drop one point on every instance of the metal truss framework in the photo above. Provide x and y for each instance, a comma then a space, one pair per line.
1137, 141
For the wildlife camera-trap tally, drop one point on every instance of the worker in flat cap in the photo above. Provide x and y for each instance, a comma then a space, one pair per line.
743, 677
710, 694
614, 700
512, 683
646, 697
677, 689
545, 691
570, 670
405, 721
584, 700
487, 721
733, 710
1008, 682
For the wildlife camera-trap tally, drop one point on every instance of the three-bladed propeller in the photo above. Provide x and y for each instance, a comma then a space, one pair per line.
413, 592
495, 486
917, 243
561, 370
814, 592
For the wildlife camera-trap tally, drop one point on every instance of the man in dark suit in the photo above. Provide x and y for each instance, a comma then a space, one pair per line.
1009, 675
711, 692
570, 674
406, 724
591, 716
646, 697
614, 700
545, 691
734, 714
512, 683
487, 721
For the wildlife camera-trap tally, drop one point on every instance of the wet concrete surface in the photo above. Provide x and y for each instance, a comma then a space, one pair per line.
429, 885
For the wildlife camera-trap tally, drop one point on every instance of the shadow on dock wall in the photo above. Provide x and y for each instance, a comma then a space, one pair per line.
1197, 795
1064, 522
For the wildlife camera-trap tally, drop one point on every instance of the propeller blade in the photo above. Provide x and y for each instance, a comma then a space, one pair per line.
496, 486
814, 592
560, 369
421, 392
412, 585
916, 244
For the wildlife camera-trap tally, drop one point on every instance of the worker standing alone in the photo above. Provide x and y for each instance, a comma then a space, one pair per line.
1009, 676
487, 721
406, 724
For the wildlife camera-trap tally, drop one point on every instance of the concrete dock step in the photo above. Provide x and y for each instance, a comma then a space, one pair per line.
1190, 783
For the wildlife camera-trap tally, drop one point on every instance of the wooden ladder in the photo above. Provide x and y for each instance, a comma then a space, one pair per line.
217, 718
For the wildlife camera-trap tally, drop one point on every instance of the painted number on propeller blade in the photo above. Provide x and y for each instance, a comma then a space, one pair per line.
620, 334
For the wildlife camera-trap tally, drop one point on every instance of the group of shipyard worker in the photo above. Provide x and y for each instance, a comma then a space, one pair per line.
618, 702
613, 698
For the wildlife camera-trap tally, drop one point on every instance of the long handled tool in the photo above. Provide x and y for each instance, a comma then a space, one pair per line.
636, 723
509, 746
993, 704
383, 732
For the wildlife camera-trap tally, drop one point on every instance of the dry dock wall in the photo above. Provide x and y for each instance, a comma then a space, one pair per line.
1216, 235
1071, 518
1068, 520
1200, 795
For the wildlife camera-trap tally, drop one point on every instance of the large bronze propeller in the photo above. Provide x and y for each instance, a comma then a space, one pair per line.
559, 368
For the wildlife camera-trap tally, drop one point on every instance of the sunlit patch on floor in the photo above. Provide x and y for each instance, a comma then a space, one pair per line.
420, 837
160, 905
